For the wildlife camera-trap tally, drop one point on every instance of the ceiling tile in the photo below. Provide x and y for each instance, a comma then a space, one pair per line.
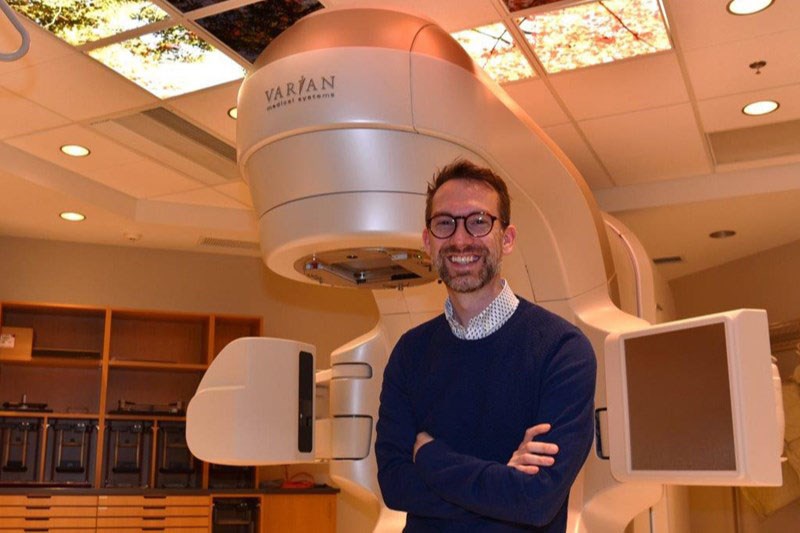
143, 178
725, 113
77, 87
534, 97
45, 145
642, 146
19, 116
452, 15
568, 139
44, 48
724, 69
30, 210
205, 196
698, 24
621, 86
209, 109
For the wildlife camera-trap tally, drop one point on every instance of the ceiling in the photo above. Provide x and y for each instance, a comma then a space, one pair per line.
659, 138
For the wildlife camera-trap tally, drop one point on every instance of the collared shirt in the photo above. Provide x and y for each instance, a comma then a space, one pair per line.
487, 321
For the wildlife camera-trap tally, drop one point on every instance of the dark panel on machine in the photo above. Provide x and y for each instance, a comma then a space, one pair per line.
679, 401
305, 426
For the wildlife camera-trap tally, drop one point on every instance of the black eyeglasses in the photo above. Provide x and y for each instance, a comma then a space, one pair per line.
477, 224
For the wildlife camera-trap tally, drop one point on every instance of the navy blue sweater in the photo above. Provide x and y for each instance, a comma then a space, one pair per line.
476, 398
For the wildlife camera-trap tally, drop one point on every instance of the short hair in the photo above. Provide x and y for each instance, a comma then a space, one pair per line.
463, 169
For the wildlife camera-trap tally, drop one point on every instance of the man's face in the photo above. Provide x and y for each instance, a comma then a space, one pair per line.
466, 263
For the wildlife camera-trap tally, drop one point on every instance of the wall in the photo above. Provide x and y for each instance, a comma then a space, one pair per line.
763, 281
767, 280
140, 278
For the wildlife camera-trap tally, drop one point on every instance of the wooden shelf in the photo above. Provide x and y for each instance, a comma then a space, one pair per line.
47, 414
90, 359
148, 417
54, 362
24, 414
75, 416
156, 366
67, 353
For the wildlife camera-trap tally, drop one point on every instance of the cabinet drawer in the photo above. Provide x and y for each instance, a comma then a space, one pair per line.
148, 523
39, 511
149, 530
153, 511
138, 500
45, 530
52, 501
48, 523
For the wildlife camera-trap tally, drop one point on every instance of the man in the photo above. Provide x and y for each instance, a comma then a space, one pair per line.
465, 394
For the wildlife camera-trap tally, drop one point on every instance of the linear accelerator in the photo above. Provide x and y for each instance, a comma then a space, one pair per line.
342, 121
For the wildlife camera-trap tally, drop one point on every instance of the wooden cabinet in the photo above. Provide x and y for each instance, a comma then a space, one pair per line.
60, 514
89, 366
107, 512
129, 513
298, 513
106, 392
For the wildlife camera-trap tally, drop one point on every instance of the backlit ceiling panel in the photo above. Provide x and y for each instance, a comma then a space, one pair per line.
79, 22
493, 49
160, 45
169, 62
249, 29
518, 5
594, 33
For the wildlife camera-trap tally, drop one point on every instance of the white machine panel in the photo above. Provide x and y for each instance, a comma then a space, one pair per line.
255, 404
686, 402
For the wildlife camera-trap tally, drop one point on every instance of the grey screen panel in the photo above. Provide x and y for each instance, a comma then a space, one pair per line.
679, 401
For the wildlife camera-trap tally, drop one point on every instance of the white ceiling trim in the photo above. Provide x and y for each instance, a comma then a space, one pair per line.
700, 188
51, 176
197, 216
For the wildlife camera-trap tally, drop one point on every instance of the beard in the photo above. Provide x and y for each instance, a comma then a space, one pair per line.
470, 282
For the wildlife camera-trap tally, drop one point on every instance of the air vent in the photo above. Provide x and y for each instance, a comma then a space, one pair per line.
181, 127
164, 136
758, 142
228, 243
668, 260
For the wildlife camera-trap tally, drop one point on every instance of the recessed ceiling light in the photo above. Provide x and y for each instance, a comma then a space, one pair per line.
748, 7
75, 150
72, 216
233, 112
762, 107
722, 234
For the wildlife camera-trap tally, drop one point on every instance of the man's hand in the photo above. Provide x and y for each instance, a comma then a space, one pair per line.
422, 439
530, 455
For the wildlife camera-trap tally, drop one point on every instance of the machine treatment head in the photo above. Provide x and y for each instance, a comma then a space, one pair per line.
328, 144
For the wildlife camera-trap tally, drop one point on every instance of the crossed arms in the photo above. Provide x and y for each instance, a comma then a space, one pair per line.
425, 476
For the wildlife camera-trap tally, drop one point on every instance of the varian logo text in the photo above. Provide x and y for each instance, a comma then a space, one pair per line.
303, 90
